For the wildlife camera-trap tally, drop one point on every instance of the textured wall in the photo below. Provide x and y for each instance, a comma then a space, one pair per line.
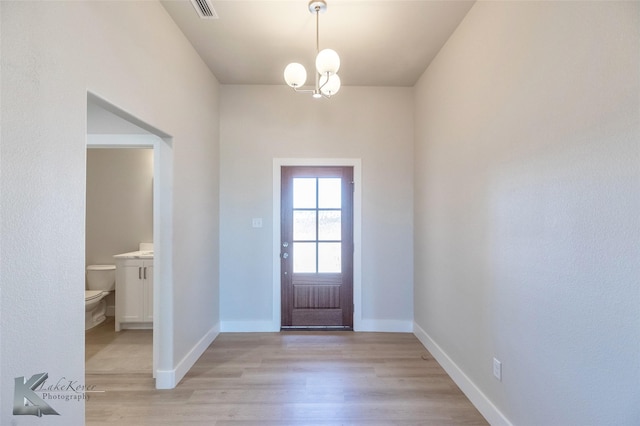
260, 123
526, 203
132, 54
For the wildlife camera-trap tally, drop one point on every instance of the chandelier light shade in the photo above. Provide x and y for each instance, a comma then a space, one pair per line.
329, 86
327, 82
295, 75
327, 62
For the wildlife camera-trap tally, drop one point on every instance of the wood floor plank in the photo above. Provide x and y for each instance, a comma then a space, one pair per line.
289, 378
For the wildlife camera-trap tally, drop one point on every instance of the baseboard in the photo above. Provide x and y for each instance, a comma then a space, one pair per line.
389, 326
169, 379
384, 326
248, 327
475, 395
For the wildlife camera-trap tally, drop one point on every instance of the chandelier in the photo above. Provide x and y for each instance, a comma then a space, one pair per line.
327, 64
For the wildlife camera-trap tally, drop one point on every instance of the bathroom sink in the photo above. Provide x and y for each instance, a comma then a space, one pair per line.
144, 252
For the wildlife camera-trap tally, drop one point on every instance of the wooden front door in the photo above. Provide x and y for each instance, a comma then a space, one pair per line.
316, 247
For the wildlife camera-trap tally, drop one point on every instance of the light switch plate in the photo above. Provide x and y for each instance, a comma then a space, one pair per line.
497, 369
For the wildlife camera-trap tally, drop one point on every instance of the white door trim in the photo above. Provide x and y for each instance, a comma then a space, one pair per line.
356, 163
162, 231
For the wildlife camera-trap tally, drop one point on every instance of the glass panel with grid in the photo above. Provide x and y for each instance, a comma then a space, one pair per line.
317, 225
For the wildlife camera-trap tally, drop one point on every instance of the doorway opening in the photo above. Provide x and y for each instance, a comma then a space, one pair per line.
119, 218
112, 129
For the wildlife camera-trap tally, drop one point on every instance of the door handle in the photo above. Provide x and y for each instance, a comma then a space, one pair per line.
139, 272
285, 254
145, 272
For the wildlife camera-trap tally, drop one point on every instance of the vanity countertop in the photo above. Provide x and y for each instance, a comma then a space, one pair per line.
140, 254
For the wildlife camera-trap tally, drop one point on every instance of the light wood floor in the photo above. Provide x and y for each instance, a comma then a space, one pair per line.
108, 352
288, 378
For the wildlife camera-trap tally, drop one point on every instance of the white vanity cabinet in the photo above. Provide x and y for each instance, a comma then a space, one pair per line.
134, 292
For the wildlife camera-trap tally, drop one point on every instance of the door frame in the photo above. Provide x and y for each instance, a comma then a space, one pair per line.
356, 163
162, 145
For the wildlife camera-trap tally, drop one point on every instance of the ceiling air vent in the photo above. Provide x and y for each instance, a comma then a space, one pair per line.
205, 9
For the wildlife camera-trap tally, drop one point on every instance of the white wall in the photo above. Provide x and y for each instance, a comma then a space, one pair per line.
260, 123
133, 55
103, 122
526, 210
119, 202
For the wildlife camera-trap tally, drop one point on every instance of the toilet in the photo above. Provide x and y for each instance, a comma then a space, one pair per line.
101, 279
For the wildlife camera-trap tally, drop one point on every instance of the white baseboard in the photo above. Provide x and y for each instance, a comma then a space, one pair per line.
169, 379
248, 327
389, 326
165, 379
475, 395
384, 326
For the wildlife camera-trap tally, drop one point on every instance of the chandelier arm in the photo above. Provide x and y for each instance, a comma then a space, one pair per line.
304, 90
325, 82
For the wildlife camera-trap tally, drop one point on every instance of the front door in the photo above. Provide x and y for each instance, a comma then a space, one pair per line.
316, 247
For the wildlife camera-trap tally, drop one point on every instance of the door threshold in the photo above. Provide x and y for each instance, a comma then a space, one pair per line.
315, 328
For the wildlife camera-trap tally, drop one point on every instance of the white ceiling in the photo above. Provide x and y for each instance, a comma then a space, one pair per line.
380, 42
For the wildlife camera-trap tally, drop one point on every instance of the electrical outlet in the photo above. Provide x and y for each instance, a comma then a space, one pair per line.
256, 222
497, 369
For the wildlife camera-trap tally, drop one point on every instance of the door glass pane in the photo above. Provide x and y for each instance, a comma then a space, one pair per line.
329, 225
304, 225
304, 257
329, 257
304, 193
329, 193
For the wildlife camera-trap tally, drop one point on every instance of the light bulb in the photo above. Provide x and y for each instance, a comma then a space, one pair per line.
295, 75
327, 61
